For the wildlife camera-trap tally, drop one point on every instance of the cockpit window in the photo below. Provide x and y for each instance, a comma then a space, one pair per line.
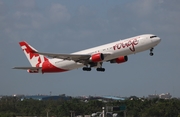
152, 36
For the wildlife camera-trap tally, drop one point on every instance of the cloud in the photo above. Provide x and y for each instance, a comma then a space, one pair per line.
26, 15
59, 13
3, 9
146, 16
1, 3
54, 22
25, 4
28, 20
143, 7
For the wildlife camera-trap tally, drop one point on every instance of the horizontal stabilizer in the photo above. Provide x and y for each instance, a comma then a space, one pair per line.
27, 68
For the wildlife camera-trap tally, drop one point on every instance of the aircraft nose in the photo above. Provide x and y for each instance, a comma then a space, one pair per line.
157, 40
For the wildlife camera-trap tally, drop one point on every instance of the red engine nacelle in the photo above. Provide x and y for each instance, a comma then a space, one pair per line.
97, 57
120, 59
33, 71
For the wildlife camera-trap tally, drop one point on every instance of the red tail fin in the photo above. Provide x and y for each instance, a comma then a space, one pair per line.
35, 59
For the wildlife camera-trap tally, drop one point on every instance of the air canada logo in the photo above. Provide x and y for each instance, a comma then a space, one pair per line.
30, 52
127, 44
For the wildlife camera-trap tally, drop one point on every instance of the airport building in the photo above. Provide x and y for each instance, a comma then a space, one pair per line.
46, 97
161, 96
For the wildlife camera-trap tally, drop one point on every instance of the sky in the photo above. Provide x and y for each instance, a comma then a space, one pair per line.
61, 26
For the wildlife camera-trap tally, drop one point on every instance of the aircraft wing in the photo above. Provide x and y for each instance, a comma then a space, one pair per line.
27, 68
74, 57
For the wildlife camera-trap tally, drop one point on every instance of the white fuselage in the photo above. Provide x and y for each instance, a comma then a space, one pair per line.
115, 49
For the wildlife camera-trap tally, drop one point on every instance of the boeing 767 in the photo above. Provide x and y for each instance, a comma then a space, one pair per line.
115, 52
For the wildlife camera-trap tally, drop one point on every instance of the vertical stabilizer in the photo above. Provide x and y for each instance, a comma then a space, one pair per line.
34, 58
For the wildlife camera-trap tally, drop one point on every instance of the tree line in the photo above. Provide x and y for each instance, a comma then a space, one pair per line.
13, 106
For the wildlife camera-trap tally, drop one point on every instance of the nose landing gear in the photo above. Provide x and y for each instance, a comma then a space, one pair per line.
151, 52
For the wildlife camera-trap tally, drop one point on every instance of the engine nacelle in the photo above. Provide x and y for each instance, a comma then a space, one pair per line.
33, 71
97, 57
120, 59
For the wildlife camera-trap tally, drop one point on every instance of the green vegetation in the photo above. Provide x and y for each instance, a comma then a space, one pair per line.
12, 106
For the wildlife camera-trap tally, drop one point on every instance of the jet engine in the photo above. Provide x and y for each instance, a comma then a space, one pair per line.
97, 57
119, 60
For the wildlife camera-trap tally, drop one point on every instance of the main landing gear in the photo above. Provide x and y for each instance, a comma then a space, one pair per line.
100, 69
89, 69
151, 52
86, 69
98, 65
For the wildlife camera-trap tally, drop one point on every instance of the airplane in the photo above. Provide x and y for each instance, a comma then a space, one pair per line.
115, 52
